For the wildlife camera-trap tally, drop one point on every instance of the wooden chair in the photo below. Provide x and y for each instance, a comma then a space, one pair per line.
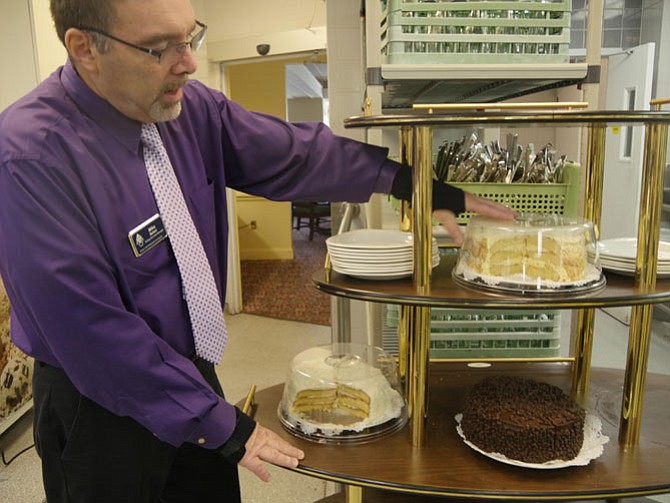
314, 212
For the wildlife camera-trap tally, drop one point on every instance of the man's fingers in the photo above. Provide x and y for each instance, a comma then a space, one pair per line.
279, 458
259, 469
488, 207
474, 204
266, 446
450, 224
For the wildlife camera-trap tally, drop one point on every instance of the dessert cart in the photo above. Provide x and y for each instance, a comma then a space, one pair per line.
428, 459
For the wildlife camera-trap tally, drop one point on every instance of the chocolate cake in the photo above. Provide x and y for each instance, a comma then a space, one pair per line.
522, 419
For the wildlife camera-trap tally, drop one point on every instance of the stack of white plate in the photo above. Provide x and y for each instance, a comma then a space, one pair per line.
618, 255
375, 254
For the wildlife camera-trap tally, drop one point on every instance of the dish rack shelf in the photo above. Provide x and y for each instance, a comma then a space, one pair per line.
487, 333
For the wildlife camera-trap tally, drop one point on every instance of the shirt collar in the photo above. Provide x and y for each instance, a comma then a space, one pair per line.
123, 129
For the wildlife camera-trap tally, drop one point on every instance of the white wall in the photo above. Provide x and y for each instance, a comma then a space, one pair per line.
235, 20
32, 50
50, 51
17, 60
288, 26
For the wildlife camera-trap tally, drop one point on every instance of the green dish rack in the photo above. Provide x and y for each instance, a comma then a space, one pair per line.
475, 32
484, 334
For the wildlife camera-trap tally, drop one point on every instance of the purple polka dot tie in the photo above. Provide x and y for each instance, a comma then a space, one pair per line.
198, 285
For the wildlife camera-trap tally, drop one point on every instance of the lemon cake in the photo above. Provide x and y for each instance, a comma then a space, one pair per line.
336, 393
545, 250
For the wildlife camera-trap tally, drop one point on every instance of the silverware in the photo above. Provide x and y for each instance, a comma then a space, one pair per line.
470, 160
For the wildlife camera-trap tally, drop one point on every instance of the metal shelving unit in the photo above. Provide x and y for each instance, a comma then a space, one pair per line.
406, 85
399, 86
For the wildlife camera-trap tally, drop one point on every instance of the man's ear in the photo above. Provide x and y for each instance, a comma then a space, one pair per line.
81, 49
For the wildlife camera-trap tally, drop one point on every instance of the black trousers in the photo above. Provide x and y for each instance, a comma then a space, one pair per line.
90, 455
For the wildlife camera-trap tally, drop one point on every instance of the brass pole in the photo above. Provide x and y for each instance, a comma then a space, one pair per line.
648, 235
657, 103
595, 173
422, 178
250, 401
583, 324
405, 330
405, 314
353, 494
418, 373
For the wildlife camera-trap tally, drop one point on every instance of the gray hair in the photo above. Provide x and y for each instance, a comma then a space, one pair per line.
98, 14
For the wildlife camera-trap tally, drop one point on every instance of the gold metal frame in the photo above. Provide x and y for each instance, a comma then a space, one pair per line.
564, 105
419, 143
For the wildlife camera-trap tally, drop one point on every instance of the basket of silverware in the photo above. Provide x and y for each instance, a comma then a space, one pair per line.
521, 177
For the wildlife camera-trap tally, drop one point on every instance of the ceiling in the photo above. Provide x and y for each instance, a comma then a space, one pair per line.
306, 80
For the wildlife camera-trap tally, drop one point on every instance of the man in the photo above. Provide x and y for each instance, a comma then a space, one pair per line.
126, 407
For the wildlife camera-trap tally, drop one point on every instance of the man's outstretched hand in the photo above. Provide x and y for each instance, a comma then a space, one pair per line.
474, 204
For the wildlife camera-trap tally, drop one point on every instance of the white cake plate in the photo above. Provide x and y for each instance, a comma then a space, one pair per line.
592, 448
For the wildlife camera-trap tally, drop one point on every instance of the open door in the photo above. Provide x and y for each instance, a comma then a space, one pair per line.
629, 84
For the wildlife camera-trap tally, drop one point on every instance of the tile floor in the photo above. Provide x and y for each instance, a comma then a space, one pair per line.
259, 352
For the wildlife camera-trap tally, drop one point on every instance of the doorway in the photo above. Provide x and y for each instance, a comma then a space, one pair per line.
629, 84
293, 88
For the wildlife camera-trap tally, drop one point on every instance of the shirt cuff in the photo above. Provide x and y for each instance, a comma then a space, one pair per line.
386, 175
233, 450
215, 427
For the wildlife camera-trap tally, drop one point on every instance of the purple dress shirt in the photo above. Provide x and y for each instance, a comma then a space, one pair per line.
73, 185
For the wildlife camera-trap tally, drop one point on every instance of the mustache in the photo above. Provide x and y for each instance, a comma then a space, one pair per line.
175, 85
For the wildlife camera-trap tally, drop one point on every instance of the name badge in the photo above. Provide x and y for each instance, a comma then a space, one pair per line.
147, 235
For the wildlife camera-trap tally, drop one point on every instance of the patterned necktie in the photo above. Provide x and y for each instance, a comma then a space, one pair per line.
199, 287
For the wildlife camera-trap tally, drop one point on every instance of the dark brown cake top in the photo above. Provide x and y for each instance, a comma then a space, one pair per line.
515, 400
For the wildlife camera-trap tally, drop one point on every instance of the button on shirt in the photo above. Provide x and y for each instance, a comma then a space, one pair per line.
73, 185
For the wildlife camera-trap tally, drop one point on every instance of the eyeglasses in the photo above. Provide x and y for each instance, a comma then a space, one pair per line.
168, 56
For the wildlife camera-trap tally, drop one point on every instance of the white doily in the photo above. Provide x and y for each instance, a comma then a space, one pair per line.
592, 447
519, 281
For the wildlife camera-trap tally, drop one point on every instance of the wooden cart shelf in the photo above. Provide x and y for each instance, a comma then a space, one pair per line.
444, 292
447, 467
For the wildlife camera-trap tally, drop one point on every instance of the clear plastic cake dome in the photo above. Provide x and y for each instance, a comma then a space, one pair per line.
535, 253
342, 393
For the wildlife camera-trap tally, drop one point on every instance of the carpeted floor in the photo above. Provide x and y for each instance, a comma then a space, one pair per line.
283, 288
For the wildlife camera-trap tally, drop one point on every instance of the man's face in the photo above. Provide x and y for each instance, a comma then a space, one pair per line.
135, 82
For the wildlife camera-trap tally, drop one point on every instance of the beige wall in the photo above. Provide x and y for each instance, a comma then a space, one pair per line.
288, 26
305, 109
36, 50
241, 20
17, 58
260, 86
50, 51
264, 228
